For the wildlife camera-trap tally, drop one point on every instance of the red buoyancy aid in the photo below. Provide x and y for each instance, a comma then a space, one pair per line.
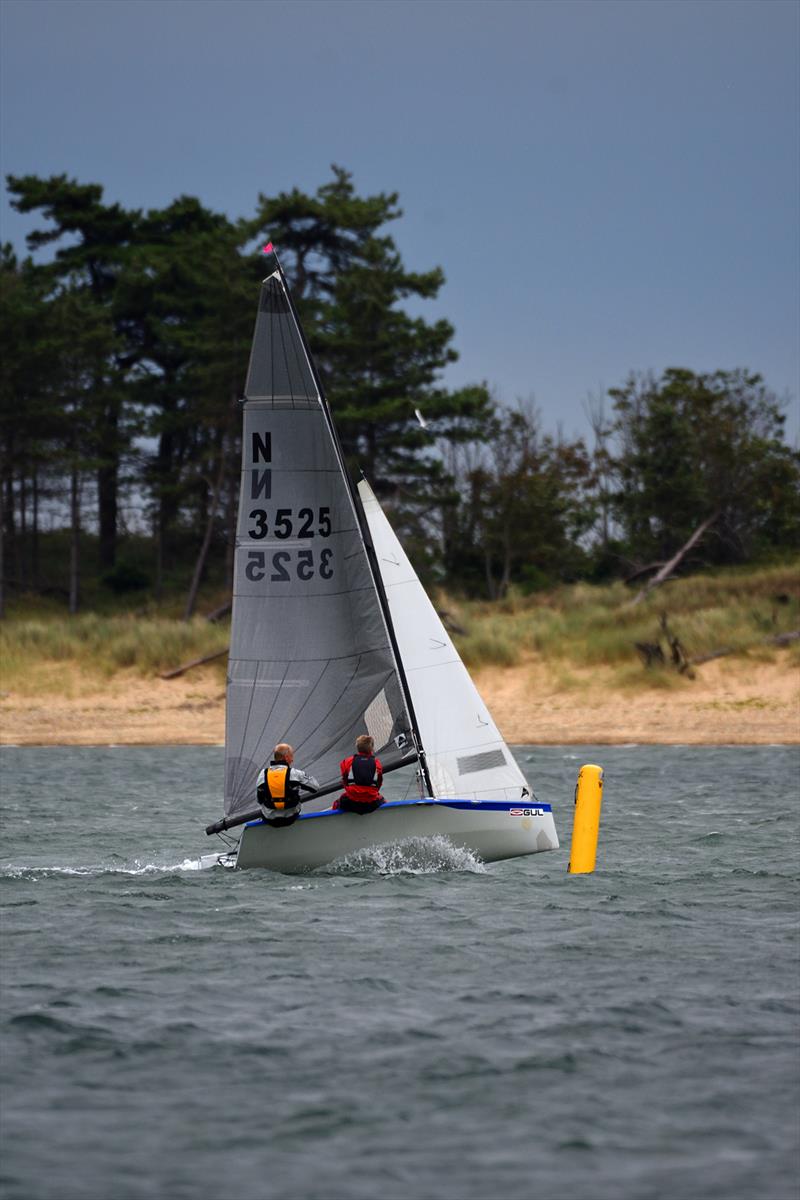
362, 776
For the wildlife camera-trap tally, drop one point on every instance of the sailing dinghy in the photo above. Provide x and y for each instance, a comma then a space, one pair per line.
333, 635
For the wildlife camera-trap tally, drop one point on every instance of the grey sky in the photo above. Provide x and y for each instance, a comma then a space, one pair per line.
608, 185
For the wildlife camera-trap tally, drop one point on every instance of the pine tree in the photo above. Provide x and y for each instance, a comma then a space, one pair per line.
379, 363
92, 240
690, 446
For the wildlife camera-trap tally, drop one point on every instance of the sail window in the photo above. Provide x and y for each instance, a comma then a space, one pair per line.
379, 720
488, 760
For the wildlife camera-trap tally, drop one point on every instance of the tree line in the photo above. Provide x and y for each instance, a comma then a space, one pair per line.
124, 355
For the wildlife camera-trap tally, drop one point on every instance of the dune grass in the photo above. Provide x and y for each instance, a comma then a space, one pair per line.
103, 645
570, 627
588, 625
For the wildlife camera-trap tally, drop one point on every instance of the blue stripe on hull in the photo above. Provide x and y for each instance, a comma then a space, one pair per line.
526, 807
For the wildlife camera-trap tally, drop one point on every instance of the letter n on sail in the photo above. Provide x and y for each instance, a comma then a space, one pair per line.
260, 485
261, 480
262, 447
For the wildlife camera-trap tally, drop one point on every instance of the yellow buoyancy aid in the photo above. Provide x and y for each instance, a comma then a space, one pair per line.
279, 792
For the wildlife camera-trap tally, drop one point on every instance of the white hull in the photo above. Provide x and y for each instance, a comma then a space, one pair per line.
492, 830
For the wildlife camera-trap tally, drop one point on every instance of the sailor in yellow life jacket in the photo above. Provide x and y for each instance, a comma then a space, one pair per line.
279, 787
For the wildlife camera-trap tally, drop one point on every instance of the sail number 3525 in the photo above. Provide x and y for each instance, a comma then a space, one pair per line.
285, 525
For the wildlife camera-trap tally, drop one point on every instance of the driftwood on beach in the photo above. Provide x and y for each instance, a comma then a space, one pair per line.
652, 653
778, 639
196, 662
219, 613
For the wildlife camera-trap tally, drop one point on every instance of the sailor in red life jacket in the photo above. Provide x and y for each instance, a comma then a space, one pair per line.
279, 787
362, 776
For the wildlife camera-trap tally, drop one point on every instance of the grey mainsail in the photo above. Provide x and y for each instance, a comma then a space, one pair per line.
311, 661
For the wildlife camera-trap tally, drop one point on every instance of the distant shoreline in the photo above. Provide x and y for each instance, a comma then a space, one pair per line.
731, 702
532, 741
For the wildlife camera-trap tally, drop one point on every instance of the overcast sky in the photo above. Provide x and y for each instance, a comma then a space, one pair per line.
609, 186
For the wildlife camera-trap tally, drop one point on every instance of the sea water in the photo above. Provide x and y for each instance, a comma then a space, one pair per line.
410, 1024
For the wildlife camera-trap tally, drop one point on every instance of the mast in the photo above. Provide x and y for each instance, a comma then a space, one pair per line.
366, 537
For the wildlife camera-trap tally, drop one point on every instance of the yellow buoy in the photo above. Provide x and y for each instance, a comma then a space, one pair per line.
586, 823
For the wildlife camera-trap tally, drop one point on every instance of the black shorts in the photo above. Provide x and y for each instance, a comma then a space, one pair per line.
354, 806
282, 822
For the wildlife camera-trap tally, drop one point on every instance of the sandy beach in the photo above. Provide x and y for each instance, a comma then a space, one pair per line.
735, 701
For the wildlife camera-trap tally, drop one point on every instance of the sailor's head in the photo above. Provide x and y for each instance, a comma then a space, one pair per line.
283, 752
365, 744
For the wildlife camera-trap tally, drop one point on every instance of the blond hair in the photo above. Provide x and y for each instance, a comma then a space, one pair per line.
365, 744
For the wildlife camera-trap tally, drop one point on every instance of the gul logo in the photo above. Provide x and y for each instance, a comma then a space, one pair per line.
525, 812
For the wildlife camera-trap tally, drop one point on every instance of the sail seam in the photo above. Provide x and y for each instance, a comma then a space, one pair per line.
272, 368
243, 739
329, 658
353, 674
497, 741
275, 700
442, 662
282, 333
316, 595
294, 347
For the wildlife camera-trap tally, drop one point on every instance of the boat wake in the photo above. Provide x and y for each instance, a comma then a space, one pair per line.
94, 870
408, 856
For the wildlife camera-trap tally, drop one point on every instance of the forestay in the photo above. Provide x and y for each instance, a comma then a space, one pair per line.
310, 659
466, 756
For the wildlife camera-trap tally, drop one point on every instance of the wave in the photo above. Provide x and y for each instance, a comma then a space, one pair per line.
94, 870
408, 856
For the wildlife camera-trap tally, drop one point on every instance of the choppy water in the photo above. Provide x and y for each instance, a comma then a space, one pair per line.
410, 1025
